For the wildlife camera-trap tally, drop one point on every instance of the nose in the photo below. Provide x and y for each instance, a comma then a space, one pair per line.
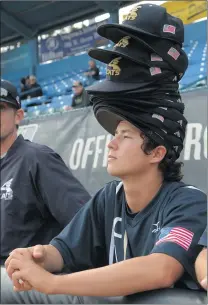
113, 144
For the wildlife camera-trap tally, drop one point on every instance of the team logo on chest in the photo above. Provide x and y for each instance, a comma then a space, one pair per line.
156, 227
6, 191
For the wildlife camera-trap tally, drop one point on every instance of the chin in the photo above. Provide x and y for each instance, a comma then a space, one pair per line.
114, 171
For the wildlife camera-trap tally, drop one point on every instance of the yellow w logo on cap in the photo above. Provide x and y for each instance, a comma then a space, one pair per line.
124, 42
133, 13
115, 69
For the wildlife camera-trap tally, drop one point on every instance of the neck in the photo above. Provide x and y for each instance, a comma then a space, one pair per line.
139, 191
6, 143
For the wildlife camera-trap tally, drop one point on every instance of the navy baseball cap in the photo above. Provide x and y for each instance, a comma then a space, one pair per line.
125, 75
152, 51
150, 19
9, 94
130, 49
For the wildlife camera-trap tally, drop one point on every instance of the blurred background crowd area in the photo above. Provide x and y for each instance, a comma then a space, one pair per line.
44, 48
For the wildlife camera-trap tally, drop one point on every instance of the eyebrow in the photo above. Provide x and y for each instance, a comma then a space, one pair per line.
124, 131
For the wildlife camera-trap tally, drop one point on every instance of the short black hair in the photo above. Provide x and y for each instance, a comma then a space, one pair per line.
23, 80
170, 169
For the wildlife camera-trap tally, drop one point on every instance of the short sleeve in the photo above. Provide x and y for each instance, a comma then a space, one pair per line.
184, 220
82, 242
203, 239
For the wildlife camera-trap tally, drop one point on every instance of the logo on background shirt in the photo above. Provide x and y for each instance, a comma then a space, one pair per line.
6, 191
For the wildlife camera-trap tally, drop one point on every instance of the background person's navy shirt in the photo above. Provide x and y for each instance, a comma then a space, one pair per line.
99, 233
39, 196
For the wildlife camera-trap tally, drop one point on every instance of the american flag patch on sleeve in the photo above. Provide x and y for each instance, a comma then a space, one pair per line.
177, 235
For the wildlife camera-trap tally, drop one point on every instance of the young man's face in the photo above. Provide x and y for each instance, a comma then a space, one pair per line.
126, 157
9, 118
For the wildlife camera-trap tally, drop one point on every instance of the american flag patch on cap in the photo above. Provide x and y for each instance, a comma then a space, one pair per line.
159, 117
155, 70
174, 53
155, 57
167, 28
177, 235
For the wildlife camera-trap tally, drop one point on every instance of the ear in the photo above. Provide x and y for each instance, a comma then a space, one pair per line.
19, 116
158, 154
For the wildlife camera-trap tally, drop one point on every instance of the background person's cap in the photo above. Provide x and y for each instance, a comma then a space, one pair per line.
9, 94
150, 19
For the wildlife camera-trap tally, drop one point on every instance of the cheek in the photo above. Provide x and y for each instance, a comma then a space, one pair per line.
132, 154
7, 120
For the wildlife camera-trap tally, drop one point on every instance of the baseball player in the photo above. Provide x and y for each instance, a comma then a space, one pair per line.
140, 233
39, 195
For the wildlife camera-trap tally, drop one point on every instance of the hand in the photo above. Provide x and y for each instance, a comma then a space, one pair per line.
29, 275
204, 283
38, 254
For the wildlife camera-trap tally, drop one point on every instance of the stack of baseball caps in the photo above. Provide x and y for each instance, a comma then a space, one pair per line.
143, 71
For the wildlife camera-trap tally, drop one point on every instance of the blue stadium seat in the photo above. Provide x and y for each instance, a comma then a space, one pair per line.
34, 101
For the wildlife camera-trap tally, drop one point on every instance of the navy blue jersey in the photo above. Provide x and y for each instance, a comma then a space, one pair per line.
203, 239
104, 231
39, 195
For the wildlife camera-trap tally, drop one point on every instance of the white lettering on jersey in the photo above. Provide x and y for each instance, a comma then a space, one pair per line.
6, 191
112, 244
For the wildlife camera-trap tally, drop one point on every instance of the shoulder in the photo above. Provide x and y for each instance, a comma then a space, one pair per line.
180, 196
180, 189
35, 151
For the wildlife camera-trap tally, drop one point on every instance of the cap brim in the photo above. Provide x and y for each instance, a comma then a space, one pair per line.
109, 120
107, 86
109, 31
106, 56
9, 102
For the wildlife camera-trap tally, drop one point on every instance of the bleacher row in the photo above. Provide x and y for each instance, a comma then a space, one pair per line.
58, 89
57, 94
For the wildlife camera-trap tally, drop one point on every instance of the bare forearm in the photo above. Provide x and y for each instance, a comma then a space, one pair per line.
127, 277
201, 265
53, 261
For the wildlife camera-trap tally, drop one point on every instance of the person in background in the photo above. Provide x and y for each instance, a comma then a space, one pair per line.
25, 86
35, 88
39, 195
93, 73
201, 262
80, 98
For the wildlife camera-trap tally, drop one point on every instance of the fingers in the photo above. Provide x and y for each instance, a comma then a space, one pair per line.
204, 283
38, 252
14, 254
14, 264
19, 283
18, 254
10, 268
